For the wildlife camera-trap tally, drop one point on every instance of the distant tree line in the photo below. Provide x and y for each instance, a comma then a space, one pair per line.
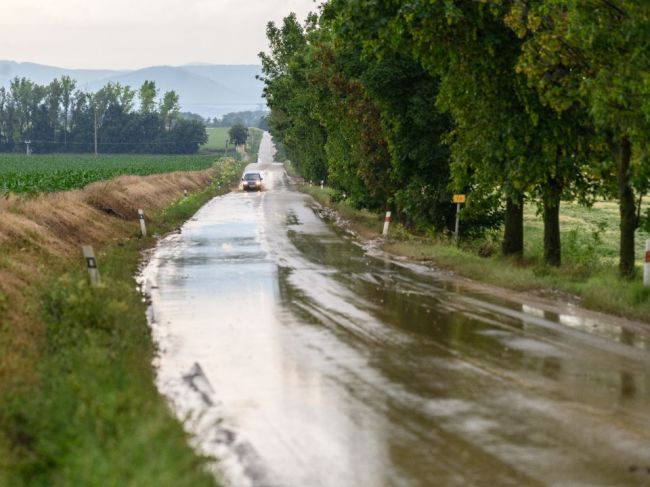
401, 104
253, 118
58, 117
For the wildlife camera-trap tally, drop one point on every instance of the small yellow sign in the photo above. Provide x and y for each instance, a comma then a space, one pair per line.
459, 198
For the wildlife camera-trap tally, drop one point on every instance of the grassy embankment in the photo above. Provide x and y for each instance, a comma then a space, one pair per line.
589, 253
78, 405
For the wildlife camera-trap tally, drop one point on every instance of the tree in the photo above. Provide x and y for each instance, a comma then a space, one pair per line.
147, 94
296, 131
67, 89
100, 101
595, 56
56, 118
238, 134
169, 109
53, 100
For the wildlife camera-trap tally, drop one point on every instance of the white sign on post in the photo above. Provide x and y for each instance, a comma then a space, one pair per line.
91, 264
143, 225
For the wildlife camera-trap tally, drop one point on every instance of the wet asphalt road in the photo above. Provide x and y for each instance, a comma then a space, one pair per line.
299, 358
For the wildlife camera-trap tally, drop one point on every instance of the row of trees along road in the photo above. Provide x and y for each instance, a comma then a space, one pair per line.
510, 100
61, 118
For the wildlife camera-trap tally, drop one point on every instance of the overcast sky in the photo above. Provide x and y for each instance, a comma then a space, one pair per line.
137, 33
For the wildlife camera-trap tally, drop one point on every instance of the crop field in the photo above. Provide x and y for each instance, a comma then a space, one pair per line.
48, 173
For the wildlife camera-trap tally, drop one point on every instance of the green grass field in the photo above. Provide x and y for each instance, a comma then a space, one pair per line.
59, 172
217, 137
590, 236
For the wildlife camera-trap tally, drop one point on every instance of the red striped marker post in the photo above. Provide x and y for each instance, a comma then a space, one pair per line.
646, 264
386, 224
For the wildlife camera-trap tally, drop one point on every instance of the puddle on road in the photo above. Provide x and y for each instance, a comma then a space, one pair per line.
301, 360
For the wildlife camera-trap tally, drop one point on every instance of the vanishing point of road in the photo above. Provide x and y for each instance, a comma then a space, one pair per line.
299, 357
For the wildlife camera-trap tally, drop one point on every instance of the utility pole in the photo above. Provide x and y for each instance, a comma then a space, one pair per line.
96, 152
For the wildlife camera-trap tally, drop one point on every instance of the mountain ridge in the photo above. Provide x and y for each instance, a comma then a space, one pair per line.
211, 90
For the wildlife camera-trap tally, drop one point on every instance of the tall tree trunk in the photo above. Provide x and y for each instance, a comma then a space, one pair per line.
513, 238
552, 245
622, 153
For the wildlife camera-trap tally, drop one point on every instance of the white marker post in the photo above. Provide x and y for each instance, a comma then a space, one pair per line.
322, 184
143, 225
646, 264
386, 224
91, 264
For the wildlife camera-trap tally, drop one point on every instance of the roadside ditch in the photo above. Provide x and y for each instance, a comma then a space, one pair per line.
78, 402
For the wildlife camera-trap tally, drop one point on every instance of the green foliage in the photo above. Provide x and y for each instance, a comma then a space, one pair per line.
594, 56
49, 173
254, 141
56, 118
366, 125
400, 104
238, 134
291, 99
169, 109
95, 414
147, 95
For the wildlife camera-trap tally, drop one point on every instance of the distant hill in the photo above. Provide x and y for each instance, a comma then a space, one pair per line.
42, 74
211, 90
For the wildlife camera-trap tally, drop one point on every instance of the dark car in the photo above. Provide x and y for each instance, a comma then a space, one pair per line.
252, 180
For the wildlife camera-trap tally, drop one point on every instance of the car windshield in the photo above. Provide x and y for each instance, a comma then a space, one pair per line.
252, 177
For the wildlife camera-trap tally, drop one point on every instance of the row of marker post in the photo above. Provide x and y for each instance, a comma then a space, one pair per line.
89, 252
91, 262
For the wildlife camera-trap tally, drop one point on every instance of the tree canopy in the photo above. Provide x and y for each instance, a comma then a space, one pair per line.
60, 118
238, 134
399, 104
